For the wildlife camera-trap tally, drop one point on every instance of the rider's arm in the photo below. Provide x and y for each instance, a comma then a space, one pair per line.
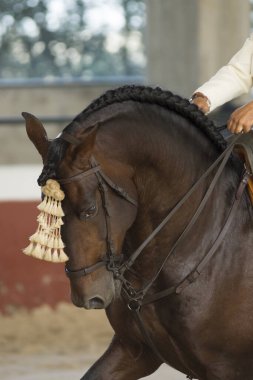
231, 81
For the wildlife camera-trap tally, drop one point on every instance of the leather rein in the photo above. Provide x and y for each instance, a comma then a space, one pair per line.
114, 262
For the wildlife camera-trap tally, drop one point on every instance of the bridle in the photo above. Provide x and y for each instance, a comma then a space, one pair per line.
118, 265
111, 260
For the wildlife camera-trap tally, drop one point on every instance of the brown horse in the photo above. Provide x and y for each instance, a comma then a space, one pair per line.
124, 164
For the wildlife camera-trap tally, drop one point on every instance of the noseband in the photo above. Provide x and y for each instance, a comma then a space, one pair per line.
111, 260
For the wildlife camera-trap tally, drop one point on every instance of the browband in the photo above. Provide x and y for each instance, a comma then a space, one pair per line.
79, 176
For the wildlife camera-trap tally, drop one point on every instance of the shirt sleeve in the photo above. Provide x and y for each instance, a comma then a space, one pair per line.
233, 79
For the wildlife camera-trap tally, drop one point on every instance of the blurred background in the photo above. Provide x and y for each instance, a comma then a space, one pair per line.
56, 56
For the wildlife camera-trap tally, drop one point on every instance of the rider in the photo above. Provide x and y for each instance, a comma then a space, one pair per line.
231, 81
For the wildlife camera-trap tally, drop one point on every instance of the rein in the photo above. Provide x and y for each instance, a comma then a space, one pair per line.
114, 262
223, 158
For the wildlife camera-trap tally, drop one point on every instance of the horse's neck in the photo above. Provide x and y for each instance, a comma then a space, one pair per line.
167, 164
167, 153
168, 156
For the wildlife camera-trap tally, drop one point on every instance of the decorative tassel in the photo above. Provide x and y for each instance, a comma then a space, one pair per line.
38, 251
28, 250
48, 255
63, 257
46, 243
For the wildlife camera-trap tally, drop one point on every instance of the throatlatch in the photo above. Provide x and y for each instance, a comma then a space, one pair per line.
46, 244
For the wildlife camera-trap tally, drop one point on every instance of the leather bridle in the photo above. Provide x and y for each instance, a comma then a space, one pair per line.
111, 260
114, 262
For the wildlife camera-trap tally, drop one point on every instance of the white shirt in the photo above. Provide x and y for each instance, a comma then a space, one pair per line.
233, 79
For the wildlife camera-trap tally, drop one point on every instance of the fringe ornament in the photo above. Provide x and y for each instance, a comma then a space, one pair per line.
46, 243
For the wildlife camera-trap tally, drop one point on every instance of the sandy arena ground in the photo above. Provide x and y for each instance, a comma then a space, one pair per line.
59, 344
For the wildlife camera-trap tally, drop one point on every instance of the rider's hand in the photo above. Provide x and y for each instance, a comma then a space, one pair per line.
201, 101
241, 119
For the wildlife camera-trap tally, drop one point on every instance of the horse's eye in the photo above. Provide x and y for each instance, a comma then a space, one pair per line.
88, 213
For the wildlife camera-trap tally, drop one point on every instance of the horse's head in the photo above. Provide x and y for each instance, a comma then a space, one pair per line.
99, 208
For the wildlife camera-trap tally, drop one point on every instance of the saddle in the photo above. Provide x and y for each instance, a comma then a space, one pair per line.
244, 149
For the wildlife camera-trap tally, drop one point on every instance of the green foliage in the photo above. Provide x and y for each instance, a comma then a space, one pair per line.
53, 38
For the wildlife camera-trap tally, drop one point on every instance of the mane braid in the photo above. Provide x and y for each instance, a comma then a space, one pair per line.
166, 99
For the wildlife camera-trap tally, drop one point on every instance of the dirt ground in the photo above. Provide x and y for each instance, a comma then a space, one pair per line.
59, 344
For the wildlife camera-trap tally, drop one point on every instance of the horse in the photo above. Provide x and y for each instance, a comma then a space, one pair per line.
125, 163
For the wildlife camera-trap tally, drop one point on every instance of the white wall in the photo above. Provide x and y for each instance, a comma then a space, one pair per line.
188, 40
19, 182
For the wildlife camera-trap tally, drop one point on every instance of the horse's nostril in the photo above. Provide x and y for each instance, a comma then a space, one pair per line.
96, 303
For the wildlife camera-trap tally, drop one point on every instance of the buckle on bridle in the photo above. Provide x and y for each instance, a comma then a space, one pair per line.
114, 263
134, 305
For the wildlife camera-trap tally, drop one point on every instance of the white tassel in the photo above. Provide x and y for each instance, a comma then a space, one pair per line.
59, 210
48, 254
43, 238
55, 257
62, 256
38, 251
35, 237
46, 243
48, 207
50, 242
58, 243
29, 249
58, 223
42, 205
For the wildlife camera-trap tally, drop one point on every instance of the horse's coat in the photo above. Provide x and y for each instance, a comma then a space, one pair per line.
155, 146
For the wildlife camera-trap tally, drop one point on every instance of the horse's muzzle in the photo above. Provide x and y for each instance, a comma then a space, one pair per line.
96, 302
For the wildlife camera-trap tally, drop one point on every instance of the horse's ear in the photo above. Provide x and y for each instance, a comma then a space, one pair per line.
82, 152
37, 134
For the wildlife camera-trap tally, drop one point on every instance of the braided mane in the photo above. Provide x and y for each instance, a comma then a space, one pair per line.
162, 98
140, 94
